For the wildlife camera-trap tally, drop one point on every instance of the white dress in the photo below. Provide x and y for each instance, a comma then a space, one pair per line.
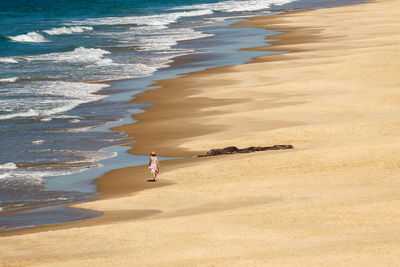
153, 165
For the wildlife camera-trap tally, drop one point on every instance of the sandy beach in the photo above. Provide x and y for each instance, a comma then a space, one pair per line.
332, 201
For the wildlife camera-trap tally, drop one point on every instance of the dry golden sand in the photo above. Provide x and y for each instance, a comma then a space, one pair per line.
333, 201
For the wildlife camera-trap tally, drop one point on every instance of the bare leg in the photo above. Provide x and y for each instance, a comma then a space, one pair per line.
154, 176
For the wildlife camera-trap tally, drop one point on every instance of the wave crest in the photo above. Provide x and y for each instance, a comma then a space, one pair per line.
235, 6
68, 94
8, 166
157, 21
9, 80
68, 30
30, 37
8, 60
80, 55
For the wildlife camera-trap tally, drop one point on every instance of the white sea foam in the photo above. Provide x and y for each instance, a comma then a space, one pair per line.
46, 119
28, 113
139, 70
8, 60
87, 159
80, 55
166, 39
74, 130
4, 175
9, 80
92, 156
37, 142
68, 30
211, 21
31, 37
8, 166
62, 96
65, 106
78, 130
67, 117
157, 21
75, 90
235, 5
24, 178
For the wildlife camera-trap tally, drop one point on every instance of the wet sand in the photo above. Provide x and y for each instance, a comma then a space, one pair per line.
332, 201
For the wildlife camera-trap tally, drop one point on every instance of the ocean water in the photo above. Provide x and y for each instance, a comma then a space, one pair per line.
54, 117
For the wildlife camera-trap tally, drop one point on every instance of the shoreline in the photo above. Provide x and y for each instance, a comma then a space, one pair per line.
117, 92
332, 200
119, 188
177, 64
114, 183
178, 61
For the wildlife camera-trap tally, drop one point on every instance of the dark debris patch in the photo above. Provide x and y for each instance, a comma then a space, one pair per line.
235, 150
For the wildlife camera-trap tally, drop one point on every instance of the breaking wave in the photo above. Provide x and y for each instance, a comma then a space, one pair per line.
64, 96
8, 60
68, 30
81, 55
8, 166
159, 21
9, 80
31, 37
235, 5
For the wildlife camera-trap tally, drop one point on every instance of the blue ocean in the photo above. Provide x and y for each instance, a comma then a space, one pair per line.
58, 62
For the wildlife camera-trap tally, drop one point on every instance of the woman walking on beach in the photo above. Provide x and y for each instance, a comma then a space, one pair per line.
154, 166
